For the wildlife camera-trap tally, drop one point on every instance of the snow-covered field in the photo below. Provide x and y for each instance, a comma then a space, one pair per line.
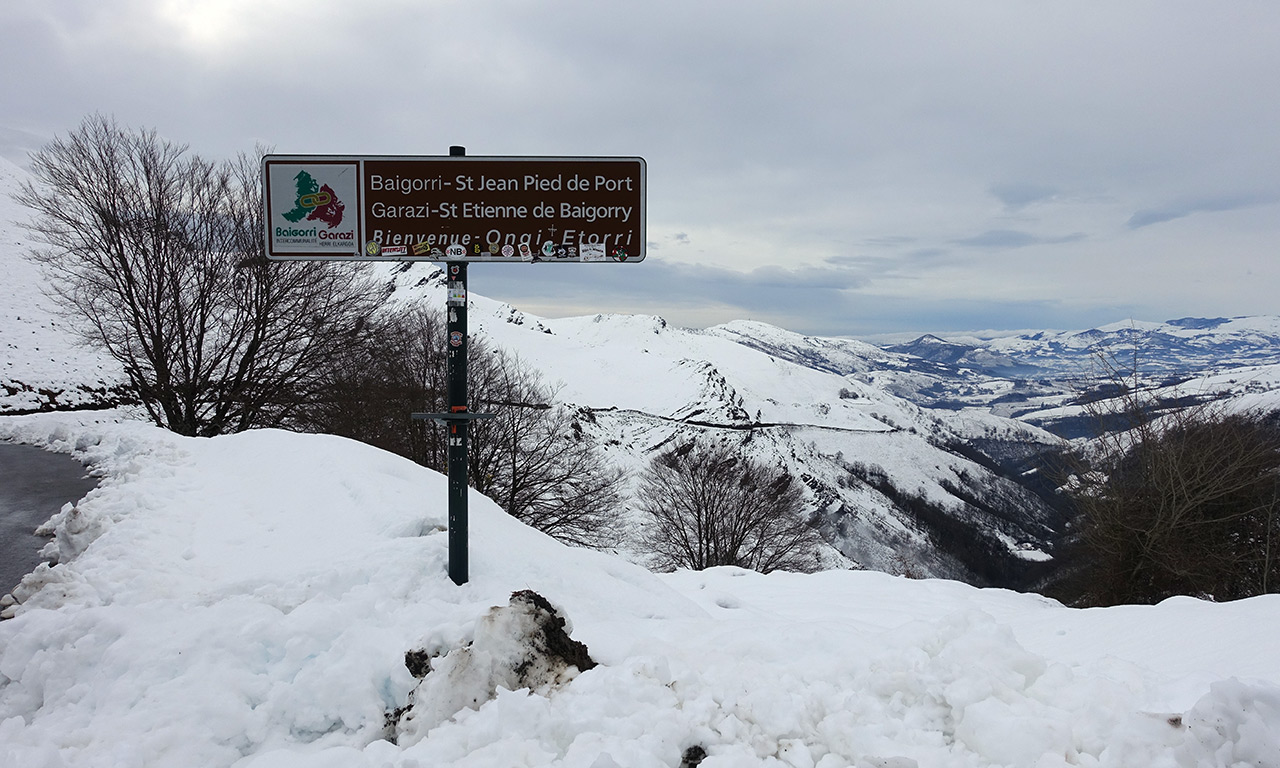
248, 601
39, 359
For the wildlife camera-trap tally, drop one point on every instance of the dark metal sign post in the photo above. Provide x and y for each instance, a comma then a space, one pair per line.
459, 428
457, 420
455, 209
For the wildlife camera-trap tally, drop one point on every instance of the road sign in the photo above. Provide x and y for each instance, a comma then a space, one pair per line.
456, 208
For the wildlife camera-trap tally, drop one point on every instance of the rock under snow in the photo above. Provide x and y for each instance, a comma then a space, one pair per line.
523, 645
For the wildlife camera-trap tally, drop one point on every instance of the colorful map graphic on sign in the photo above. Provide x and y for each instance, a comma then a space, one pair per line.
315, 202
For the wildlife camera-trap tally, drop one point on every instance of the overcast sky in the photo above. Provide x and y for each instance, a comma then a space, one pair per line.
840, 168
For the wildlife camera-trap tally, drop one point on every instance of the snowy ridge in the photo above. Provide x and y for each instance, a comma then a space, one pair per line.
785, 400
40, 363
248, 601
1181, 346
840, 356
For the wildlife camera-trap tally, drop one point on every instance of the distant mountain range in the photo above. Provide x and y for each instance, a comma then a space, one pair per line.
1186, 346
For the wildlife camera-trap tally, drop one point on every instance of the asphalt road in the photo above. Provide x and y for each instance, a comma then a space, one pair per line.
34, 484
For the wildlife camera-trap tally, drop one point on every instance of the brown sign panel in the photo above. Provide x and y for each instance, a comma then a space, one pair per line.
530, 209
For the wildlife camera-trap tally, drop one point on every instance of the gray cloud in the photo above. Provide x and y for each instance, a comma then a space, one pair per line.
675, 286
815, 301
816, 149
1017, 196
1009, 238
1149, 216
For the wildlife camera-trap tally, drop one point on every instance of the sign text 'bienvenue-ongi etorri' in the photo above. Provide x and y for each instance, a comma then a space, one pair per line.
532, 209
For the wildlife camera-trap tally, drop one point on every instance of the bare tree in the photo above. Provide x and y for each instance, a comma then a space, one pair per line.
157, 256
534, 459
537, 462
706, 506
1171, 501
393, 366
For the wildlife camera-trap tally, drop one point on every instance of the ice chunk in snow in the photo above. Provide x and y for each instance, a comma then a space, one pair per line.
1234, 724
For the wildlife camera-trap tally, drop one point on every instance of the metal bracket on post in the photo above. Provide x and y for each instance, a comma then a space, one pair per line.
445, 418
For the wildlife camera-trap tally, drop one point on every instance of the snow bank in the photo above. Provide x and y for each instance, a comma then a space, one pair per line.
248, 601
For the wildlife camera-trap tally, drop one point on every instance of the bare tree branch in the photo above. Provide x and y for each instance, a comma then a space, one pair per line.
156, 255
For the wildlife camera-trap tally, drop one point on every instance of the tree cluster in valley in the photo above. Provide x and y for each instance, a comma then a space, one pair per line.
1179, 499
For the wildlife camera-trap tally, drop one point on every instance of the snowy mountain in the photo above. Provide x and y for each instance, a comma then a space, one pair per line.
964, 356
911, 464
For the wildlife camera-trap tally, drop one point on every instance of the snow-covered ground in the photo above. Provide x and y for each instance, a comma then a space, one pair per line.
248, 601
40, 362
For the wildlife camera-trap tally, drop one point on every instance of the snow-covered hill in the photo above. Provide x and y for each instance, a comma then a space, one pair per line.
41, 365
911, 464
887, 480
1247, 388
251, 601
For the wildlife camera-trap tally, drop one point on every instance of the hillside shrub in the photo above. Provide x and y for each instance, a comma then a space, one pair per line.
706, 505
1183, 503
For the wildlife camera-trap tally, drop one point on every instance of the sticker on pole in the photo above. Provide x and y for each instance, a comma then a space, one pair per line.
457, 295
